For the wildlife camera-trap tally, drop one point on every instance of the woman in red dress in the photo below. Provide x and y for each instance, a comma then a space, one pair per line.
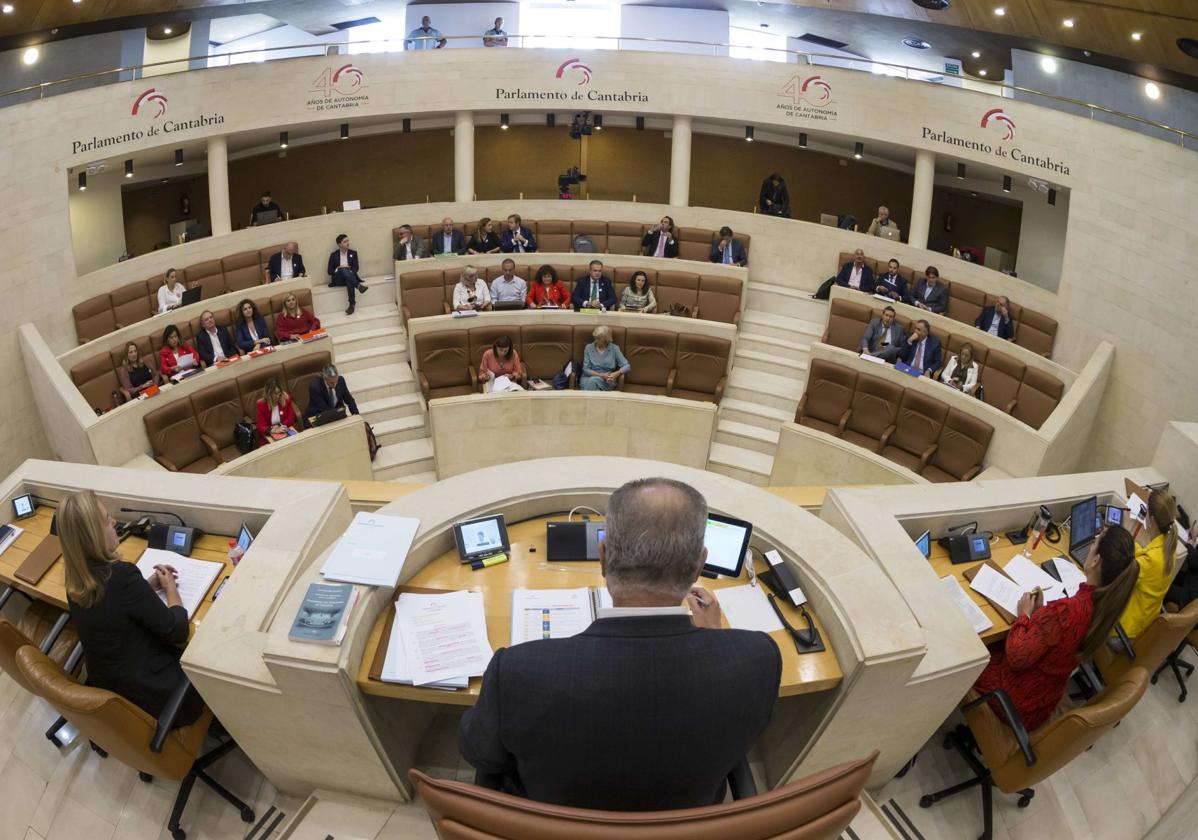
546, 291
276, 413
1048, 641
294, 321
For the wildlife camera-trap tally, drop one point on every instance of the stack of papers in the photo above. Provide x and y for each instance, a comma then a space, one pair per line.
998, 588
195, 576
1071, 576
875, 359
372, 550
1029, 576
972, 612
437, 640
501, 384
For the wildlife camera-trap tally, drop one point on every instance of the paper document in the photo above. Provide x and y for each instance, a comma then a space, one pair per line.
501, 384
550, 613
396, 669
1071, 576
972, 612
874, 359
603, 599
1001, 590
372, 550
444, 635
1138, 508
1028, 575
748, 608
195, 576
10, 536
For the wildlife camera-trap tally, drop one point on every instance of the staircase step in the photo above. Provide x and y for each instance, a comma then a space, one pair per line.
784, 300
757, 323
794, 346
420, 478
752, 413
328, 300
382, 338
392, 408
403, 459
780, 392
747, 436
742, 464
384, 380
778, 364
399, 429
372, 318
371, 357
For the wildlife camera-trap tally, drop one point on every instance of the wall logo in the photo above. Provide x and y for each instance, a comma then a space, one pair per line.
338, 88
999, 117
147, 99
352, 74
572, 64
808, 98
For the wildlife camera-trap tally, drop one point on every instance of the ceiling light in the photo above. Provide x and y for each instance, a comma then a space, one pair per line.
976, 54
30, 56
961, 171
748, 133
344, 131
282, 139
83, 181
1136, 36
982, 72
1000, 11
76, 1
1006, 183
1068, 23
129, 168
858, 150
597, 121
916, 43
166, 30
1189, 46
1152, 90
504, 121
934, 5
6, 8
764, 25
802, 140
178, 157
1048, 64
1052, 197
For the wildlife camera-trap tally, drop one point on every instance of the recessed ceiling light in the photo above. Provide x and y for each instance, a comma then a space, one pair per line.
1048, 64
934, 5
30, 56
764, 25
166, 30
6, 8
1152, 90
1068, 23
976, 54
1189, 46
916, 43
1000, 11
982, 72
1136, 36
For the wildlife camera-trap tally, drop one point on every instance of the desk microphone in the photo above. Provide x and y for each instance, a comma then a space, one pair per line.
167, 537
163, 512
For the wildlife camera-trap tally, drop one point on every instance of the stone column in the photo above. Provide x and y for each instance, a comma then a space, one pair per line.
218, 185
680, 162
463, 156
921, 199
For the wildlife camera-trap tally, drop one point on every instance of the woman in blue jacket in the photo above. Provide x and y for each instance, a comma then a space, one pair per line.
251, 333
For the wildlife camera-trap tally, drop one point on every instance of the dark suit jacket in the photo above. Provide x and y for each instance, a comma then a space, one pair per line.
419, 249
931, 354
649, 245
1006, 329
275, 266
351, 257
457, 243
508, 246
738, 253
130, 639
896, 284
867, 277
938, 302
582, 293
625, 716
204, 344
245, 343
318, 397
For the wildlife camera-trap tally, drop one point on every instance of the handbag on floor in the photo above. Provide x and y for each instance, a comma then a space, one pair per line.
372, 443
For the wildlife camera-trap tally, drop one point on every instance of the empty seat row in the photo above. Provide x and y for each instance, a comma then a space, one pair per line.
662, 362
195, 435
904, 425
608, 237
96, 376
1028, 394
1033, 330
103, 314
429, 291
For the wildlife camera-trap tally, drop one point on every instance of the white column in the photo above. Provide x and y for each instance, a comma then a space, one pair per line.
463, 156
680, 162
921, 199
218, 185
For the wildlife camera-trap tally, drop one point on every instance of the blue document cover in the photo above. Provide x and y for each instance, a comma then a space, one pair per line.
323, 613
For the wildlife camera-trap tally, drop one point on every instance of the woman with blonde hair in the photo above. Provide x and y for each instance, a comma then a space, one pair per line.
131, 639
602, 362
276, 413
1157, 560
484, 240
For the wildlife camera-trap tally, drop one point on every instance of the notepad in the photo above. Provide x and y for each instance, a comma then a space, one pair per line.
444, 635
1029, 576
747, 608
1071, 576
372, 550
1001, 590
972, 612
195, 576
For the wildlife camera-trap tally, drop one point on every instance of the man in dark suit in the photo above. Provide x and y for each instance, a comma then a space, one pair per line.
883, 337
922, 350
594, 291
892, 284
409, 246
286, 264
448, 240
517, 239
997, 319
930, 293
327, 392
856, 274
343, 270
625, 716
213, 342
728, 250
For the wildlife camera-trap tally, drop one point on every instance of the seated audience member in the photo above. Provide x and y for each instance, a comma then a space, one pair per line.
547, 292
176, 355
602, 362
484, 240
276, 413
727, 250
997, 319
930, 292
213, 341
774, 199
1048, 641
892, 284
170, 293
1156, 562
1184, 588
495, 36
135, 373
329, 391
883, 337
448, 240
508, 286
961, 372
501, 359
517, 238
856, 274
558, 724
662, 240
595, 291
343, 271
286, 264
262, 210
922, 350
251, 333
131, 639
294, 321
638, 297
471, 292
409, 246
882, 221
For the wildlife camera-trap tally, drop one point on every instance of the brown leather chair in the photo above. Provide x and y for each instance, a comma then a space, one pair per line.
174, 436
242, 271
1037, 397
423, 294
964, 303
1159, 646
961, 448
846, 324
875, 410
250, 386
131, 736
264, 255
207, 276
719, 298
480, 341
1037, 332
917, 430
546, 349
93, 318
1000, 378
827, 399
1014, 759
443, 362
217, 410
553, 236
677, 287
96, 379
596, 230
298, 375
701, 368
624, 238
41, 626
693, 243
650, 355
131, 303
818, 807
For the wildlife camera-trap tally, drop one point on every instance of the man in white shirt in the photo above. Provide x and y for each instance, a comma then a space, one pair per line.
508, 286
471, 292
996, 319
425, 37
448, 240
856, 274
286, 264
409, 246
213, 342
495, 37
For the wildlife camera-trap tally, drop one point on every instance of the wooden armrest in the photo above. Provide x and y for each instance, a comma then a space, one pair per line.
405, 313
802, 406
844, 419
448, 309
927, 454
970, 473
886, 436
695, 311
166, 463
670, 381
1010, 406
719, 389
424, 387
736, 319
213, 449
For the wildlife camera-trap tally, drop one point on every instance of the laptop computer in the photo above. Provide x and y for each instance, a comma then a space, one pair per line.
908, 369
501, 305
890, 232
330, 416
1083, 528
191, 296
266, 217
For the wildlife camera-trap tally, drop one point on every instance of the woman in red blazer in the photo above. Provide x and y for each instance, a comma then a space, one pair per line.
294, 321
176, 355
276, 413
546, 290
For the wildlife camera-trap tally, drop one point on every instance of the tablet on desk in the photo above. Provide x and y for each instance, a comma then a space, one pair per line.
23, 506
244, 538
924, 543
726, 540
481, 537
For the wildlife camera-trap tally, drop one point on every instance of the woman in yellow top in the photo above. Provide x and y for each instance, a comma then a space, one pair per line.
1157, 562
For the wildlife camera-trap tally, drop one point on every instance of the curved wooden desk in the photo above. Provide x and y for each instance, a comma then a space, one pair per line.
801, 674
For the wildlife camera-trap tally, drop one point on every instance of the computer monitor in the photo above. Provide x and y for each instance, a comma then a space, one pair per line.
1083, 523
924, 543
726, 540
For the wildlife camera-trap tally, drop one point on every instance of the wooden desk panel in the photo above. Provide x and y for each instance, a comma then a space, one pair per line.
528, 568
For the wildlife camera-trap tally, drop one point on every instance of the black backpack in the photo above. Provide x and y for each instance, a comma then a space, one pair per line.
245, 437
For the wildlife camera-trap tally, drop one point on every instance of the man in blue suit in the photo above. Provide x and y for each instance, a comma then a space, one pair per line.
997, 319
922, 350
594, 291
213, 342
343, 270
517, 239
727, 250
327, 392
286, 264
892, 284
